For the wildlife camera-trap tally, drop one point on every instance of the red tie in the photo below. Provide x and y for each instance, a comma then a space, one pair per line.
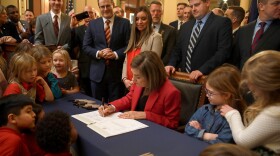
258, 36
107, 32
55, 25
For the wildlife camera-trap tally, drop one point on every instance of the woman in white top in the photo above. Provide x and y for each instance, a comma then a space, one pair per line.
261, 128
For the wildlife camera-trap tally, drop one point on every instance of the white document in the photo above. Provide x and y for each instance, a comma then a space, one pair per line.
110, 125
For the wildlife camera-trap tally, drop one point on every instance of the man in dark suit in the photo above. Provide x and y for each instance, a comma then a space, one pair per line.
53, 28
76, 46
14, 18
180, 14
203, 44
106, 52
236, 15
247, 42
168, 33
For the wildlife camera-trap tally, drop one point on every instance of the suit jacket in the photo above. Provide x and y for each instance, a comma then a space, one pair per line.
174, 24
154, 44
25, 24
77, 37
162, 106
44, 33
242, 47
168, 34
95, 40
9, 29
212, 48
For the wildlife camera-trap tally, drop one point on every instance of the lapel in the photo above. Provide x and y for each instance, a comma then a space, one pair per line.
248, 37
51, 28
136, 96
62, 26
162, 31
267, 34
114, 29
100, 29
151, 100
205, 27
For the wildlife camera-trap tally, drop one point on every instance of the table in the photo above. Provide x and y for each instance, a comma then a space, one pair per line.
155, 139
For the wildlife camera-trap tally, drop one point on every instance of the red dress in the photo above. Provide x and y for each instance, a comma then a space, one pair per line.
11, 143
130, 55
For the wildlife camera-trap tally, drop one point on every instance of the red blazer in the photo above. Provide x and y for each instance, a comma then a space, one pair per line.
162, 107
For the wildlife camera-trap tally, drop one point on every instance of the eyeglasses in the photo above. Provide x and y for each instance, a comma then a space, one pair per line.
210, 93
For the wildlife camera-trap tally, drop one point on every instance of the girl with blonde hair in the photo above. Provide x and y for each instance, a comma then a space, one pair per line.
61, 66
24, 80
261, 74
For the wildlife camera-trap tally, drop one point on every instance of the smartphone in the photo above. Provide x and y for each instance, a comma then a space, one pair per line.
82, 15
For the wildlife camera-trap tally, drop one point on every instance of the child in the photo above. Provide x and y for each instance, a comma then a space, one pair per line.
221, 88
24, 80
43, 56
66, 79
3, 83
16, 115
55, 133
29, 135
260, 127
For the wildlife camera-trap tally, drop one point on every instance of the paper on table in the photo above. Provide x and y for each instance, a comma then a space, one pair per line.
110, 125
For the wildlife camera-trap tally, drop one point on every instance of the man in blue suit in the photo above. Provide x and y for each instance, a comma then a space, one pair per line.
204, 43
106, 52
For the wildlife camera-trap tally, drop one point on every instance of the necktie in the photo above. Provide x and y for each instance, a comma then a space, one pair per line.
107, 32
181, 23
55, 25
258, 36
191, 46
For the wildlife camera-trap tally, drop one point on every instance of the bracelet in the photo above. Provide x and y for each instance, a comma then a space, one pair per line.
123, 79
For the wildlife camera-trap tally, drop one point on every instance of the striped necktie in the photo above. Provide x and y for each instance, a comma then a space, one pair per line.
191, 46
107, 32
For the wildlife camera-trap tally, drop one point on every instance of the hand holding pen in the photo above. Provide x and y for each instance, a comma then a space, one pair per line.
105, 110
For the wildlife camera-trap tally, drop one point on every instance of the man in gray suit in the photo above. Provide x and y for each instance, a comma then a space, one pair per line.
53, 28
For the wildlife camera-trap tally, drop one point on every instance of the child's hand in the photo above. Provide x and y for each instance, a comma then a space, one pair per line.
209, 136
195, 124
64, 91
40, 81
224, 109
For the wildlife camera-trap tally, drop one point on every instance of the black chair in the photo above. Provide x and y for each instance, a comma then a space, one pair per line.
192, 95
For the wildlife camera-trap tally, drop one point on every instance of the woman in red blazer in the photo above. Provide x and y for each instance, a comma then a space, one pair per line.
151, 97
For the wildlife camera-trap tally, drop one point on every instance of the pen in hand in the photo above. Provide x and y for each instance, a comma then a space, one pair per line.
103, 107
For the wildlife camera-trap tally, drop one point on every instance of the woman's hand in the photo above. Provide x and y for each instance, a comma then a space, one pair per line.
106, 110
195, 124
224, 109
127, 83
133, 115
7, 39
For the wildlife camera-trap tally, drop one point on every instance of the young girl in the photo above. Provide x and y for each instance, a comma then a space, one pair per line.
221, 88
24, 80
43, 56
261, 74
66, 79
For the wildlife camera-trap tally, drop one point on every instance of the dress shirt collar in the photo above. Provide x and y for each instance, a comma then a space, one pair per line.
52, 14
204, 19
156, 27
234, 30
266, 26
111, 20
